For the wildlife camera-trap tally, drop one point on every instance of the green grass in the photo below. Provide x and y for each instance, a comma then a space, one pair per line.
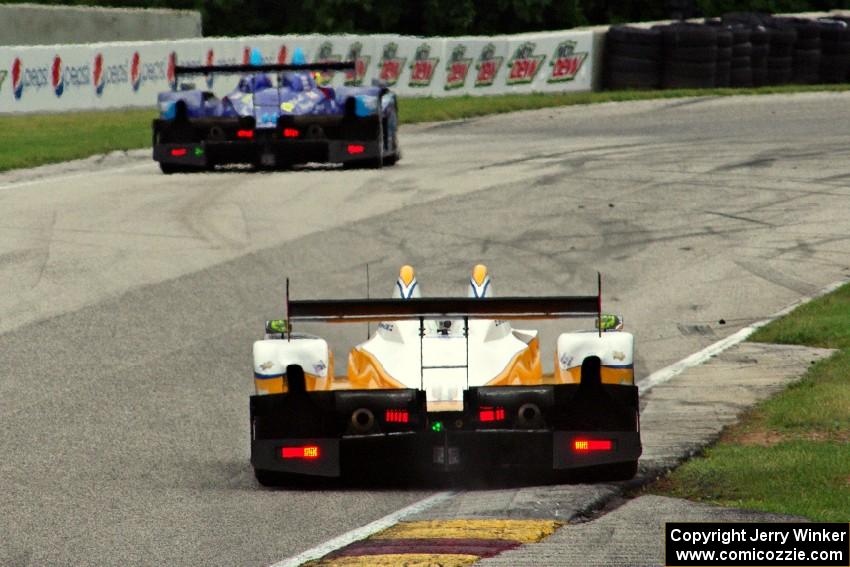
824, 322
791, 453
792, 477
36, 139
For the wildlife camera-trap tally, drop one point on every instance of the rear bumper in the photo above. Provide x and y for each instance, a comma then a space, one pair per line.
482, 450
268, 153
327, 425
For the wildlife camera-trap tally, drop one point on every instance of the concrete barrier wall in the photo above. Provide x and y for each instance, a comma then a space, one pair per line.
34, 24
110, 75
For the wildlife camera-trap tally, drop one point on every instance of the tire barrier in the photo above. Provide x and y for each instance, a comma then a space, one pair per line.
633, 58
834, 49
690, 56
741, 49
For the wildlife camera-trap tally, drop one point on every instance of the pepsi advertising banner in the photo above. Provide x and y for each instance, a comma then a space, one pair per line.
130, 74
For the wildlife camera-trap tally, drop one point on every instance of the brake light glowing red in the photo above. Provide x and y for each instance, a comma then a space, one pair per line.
588, 445
304, 452
245, 134
354, 149
291, 132
179, 152
397, 416
491, 414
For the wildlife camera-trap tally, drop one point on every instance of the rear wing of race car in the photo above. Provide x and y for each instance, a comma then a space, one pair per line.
377, 310
267, 68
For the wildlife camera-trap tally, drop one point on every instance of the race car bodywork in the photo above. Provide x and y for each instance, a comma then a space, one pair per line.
268, 123
445, 384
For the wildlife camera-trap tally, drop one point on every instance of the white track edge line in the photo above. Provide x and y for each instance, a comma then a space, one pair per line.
668, 372
74, 175
365, 531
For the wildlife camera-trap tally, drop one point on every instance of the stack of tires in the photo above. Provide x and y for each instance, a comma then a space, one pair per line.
835, 50
689, 56
741, 74
780, 58
759, 52
724, 52
632, 58
805, 68
742, 49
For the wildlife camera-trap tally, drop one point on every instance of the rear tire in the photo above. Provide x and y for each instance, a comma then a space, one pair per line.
268, 479
622, 471
170, 168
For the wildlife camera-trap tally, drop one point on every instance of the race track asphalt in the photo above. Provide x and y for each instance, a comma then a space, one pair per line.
130, 299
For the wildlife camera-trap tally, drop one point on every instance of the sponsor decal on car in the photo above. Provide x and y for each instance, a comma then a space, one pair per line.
422, 68
457, 68
488, 66
566, 62
325, 54
524, 64
361, 65
391, 65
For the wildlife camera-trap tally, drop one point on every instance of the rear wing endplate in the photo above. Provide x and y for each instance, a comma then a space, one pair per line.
269, 68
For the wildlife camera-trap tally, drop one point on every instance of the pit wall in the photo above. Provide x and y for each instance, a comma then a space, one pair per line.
130, 74
34, 24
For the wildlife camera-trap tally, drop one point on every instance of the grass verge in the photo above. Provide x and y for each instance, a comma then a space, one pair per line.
37, 139
791, 453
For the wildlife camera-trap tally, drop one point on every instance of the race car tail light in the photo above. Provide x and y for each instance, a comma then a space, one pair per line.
487, 414
245, 134
307, 452
397, 416
179, 152
355, 149
590, 445
291, 132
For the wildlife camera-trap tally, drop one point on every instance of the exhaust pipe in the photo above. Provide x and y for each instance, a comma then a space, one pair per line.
529, 415
362, 420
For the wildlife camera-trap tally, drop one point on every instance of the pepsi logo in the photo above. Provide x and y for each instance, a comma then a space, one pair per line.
170, 75
135, 71
281, 55
57, 78
97, 74
210, 60
17, 83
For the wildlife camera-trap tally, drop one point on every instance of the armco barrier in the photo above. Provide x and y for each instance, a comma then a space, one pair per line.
110, 75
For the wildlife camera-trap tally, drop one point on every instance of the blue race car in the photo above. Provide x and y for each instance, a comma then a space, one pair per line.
292, 120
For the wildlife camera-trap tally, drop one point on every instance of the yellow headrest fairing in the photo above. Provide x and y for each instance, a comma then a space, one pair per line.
479, 273
406, 274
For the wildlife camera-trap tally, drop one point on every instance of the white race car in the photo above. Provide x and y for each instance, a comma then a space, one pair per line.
445, 384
